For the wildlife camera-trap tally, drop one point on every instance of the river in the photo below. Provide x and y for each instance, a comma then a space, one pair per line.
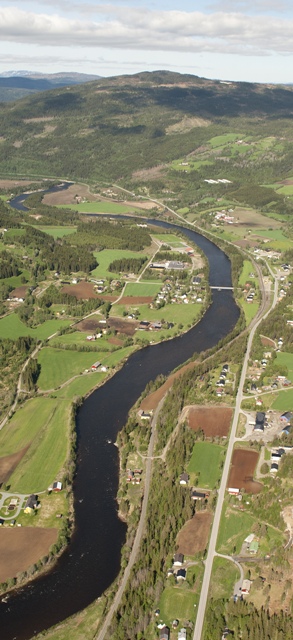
92, 560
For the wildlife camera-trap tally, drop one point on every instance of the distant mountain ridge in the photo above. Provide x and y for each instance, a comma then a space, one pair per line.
18, 84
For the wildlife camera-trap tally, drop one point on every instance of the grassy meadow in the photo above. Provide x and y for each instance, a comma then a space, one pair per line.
206, 464
105, 258
12, 327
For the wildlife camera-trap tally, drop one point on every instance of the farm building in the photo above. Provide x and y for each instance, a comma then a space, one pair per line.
178, 559
181, 574
199, 495
57, 486
182, 634
246, 584
259, 421
95, 366
164, 633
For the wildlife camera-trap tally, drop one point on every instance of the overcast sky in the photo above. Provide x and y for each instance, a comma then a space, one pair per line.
249, 40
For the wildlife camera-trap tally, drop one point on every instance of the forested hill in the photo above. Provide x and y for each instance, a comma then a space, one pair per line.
112, 127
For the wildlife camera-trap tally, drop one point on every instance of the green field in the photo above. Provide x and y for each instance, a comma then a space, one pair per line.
234, 527
286, 190
284, 401
219, 141
169, 238
79, 338
59, 365
47, 453
57, 232
81, 386
144, 289
206, 464
12, 327
177, 602
245, 274
105, 258
250, 310
224, 576
285, 360
101, 207
16, 281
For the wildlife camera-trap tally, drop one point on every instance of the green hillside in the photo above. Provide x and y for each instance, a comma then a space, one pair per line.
111, 128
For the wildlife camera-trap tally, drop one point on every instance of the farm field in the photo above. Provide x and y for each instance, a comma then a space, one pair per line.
47, 452
243, 466
59, 365
101, 207
219, 141
194, 535
105, 257
12, 327
170, 239
205, 464
57, 232
82, 290
141, 289
81, 386
21, 429
213, 421
22, 547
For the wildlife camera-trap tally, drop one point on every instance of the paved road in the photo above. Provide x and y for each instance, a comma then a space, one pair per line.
221, 493
102, 634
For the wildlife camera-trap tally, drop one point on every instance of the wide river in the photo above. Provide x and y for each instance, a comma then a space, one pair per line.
92, 560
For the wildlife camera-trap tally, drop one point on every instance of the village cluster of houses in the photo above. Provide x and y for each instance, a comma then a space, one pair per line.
222, 380
134, 476
225, 216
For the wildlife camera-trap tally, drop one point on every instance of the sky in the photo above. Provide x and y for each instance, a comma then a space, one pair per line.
244, 40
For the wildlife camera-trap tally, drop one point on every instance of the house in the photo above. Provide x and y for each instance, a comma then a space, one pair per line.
164, 633
233, 491
184, 478
181, 574
57, 486
175, 623
246, 584
182, 634
145, 415
286, 417
274, 467
31, 504
178, 559
253, 547
287, 429
199, 495
144, 324
95, 366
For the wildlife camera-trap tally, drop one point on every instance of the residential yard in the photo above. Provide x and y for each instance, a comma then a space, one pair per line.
206, 464
224, 576
245, 274
178, 601
235, 525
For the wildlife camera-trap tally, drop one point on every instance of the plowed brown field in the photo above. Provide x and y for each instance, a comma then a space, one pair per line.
9, 463
82, 290
193, 537
214, 421
243, 466
21, 547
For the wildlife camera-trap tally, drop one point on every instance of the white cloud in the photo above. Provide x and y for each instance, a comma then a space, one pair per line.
141, 29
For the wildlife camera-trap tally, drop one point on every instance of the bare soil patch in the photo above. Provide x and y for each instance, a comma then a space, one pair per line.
90, 324
254, 218
141, 205
193, 537
116, 341
123, 326
9, 463
21, 547
82, 290
68, 196
9, 184
213, 421
19, 292
267, 342
243, 466
150, 174
136, 300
